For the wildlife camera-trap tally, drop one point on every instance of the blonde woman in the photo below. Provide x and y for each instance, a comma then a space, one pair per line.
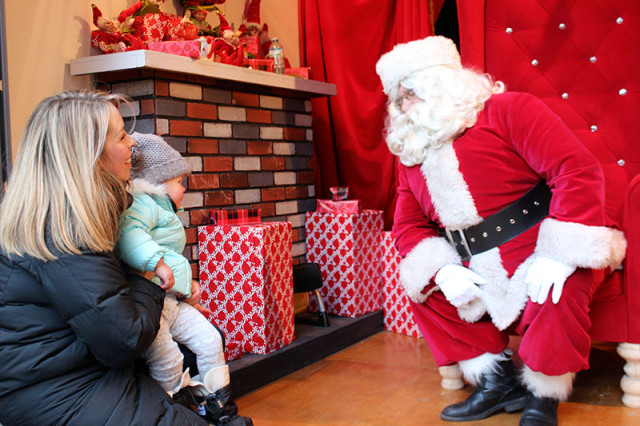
71, 323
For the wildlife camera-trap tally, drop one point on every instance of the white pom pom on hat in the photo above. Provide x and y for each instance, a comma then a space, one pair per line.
407, 58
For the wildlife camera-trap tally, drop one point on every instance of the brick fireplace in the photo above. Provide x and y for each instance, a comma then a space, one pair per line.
247, 134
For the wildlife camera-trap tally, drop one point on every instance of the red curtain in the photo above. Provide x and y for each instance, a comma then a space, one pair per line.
341, 41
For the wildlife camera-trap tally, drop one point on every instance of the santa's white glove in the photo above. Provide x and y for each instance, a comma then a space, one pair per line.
458, 284
542, 275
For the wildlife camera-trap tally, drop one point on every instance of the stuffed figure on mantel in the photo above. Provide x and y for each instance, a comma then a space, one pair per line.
144, 25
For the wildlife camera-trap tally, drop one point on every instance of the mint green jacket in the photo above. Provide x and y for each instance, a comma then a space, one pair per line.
150, 230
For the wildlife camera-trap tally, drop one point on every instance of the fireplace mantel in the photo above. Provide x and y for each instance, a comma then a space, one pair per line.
148, 59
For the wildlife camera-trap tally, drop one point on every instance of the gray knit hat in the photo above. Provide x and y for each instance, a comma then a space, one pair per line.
154, 160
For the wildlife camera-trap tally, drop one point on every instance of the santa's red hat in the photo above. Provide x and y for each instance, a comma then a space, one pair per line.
252, 13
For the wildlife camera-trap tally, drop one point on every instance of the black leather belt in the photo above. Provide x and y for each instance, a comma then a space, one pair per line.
502, 226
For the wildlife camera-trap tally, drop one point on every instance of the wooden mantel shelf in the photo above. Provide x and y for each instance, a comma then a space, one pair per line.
174, 63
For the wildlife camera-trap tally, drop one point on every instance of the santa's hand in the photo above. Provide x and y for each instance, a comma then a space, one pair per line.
543, 274
458, 284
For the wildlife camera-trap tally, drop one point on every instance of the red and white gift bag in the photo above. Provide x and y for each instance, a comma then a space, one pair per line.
348, 249
247, 281
397, 312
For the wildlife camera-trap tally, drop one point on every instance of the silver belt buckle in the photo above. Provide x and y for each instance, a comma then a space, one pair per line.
463, 242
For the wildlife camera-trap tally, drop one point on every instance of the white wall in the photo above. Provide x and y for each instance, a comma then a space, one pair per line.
44, 35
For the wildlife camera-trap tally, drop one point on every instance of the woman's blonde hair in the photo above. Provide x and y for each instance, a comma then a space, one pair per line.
60, 194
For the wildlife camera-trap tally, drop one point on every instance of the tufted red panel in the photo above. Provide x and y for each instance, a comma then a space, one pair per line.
582, 57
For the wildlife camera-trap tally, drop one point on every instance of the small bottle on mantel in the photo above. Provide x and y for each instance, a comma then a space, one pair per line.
276, 53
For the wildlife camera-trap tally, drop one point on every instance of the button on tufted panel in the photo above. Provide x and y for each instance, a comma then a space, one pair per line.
586, 67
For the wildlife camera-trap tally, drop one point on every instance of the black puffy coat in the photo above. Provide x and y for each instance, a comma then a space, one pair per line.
70, 330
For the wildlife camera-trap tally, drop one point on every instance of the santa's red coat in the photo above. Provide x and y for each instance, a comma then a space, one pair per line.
516, 142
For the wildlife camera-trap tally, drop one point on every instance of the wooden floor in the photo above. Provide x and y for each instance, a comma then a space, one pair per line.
391, 379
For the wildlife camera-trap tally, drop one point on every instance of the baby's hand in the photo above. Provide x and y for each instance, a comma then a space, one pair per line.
202, 309
164, 272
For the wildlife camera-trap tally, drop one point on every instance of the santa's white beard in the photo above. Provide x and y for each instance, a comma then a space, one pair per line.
411, 134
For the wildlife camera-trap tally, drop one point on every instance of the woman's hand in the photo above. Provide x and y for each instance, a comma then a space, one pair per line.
164, 272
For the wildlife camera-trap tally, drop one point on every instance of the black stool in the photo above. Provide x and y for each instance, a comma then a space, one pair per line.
307, 278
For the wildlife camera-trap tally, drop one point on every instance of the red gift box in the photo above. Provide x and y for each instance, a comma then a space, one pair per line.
259, 64
232, 350
189, 48
348, 250
398, 316
247, 282
338, 207
252, 45
302, 72
235, 217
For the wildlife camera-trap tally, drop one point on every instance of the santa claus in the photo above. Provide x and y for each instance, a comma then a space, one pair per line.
500, 221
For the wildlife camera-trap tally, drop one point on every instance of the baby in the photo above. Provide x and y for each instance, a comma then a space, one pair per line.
152, 238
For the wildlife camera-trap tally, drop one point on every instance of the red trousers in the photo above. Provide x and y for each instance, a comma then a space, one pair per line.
555, 338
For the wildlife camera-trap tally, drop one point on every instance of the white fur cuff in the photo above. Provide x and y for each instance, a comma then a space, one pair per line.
422, 263
543, 386
594, 247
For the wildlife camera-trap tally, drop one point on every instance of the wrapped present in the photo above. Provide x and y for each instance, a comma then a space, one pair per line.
302, 72
190, 48
252, 45
338, 207
339, 193
247, 281
347, 248
259, 64
232, 350
235, 217
397, 312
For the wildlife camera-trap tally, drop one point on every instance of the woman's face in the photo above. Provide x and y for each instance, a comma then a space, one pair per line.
117, 147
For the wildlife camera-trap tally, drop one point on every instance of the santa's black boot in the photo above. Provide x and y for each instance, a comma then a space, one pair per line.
498, 389
539, 411
545, 393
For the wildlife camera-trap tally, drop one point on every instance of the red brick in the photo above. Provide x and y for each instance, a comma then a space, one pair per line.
272, 194
147, 73
258, 116
203, 111
168, 75
259, 148
192, 235
118, 76
203, 146
218, 164
199, 217
218, 198
296, 234
246, 99
234, 180
162, 88
293, 192
305, 177
272, 163
203, 81
185, 128
294, 134
147, 107
267, 209
194, 269
209, 181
